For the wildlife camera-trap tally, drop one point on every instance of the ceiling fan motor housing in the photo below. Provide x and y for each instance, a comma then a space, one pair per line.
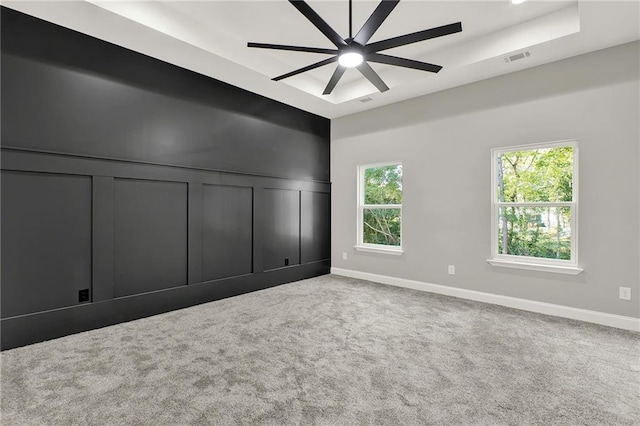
351, 47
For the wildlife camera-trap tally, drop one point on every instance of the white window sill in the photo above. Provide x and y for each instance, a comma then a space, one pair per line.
559, 269
382, 250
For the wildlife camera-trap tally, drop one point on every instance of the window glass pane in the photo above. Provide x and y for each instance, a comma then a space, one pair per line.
381, 226
535, 175
543, 232
383, 185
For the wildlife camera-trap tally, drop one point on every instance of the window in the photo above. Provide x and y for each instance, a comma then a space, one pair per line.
380, 208
534, 214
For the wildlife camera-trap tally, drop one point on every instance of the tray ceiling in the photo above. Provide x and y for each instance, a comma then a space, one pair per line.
210, 37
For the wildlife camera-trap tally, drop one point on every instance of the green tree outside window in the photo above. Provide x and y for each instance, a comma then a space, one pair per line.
381, 204
534, 195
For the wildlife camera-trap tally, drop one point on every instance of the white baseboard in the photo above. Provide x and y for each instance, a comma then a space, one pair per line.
611, 320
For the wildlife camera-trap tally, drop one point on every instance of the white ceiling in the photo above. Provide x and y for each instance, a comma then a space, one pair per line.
210, 37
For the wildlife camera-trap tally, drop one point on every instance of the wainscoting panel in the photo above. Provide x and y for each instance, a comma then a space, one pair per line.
144, 239
150, 235
227, 246
281, 216
46, 241
315, 226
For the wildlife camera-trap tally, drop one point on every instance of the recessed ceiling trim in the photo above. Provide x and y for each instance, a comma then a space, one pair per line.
536, 31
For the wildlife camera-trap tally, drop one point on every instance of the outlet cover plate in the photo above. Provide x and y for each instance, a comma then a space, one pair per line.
625, 293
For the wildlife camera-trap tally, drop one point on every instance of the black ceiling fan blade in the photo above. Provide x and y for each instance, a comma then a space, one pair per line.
307, 68
402, 62
413, 37
293, 48
337, 75
372, 76
375, 20
319, 23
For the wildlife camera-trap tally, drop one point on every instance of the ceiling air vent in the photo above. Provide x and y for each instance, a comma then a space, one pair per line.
365, 100
517, 56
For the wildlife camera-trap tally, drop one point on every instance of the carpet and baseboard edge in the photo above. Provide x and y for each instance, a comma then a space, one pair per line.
46, 325
602, 318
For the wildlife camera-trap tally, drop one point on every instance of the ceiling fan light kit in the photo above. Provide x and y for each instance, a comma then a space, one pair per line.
357, 52
350, 59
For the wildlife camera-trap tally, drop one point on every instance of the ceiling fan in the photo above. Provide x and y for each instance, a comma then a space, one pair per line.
354, 51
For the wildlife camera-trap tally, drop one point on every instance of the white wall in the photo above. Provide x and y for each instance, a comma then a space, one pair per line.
444, 142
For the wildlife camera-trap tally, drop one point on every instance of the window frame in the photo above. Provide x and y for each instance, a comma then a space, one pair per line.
361, 207
569, 266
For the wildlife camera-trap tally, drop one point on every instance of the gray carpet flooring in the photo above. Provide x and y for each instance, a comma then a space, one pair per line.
330, 351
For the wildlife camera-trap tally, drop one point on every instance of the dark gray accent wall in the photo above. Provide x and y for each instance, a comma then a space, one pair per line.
281, 228
150, 186
315, 226
46, 240
150, 235
76, 94
227, 246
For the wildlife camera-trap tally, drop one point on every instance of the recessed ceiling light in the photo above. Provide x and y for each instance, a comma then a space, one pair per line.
517, 1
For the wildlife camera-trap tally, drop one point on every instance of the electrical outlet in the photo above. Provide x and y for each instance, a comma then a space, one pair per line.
286, 261
625, 293
344, 255
83, 295
452, 269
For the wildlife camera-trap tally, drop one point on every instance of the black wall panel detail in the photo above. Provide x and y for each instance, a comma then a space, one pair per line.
150, 234
46, 241
72, 93
227, 247
315, 226
281, 219
196, 230
102, 224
